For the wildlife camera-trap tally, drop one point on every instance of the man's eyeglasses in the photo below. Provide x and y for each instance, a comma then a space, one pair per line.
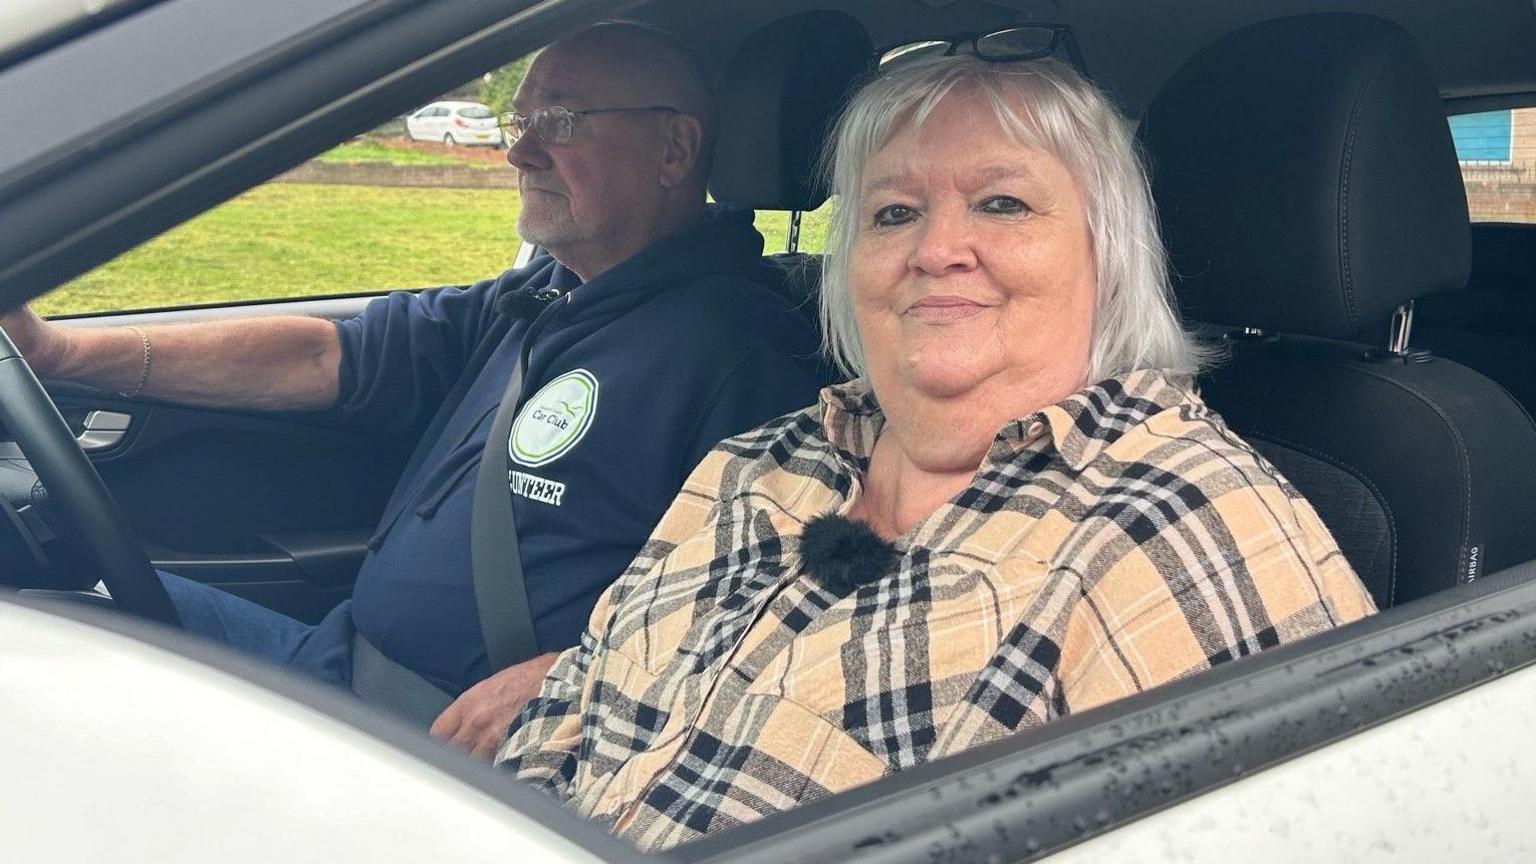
1016, 44
555, 124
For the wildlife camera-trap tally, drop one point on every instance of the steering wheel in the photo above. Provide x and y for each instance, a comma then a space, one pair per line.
75, 490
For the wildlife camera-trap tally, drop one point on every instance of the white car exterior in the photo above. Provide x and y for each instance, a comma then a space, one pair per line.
454, 123
118, 750
124, 751
1434, 785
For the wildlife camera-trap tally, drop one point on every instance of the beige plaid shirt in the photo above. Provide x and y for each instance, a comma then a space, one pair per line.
1110, 543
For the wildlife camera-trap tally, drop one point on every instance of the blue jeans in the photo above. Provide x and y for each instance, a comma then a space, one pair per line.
247, 627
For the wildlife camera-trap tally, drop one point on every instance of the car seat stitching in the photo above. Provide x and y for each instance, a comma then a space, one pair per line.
1347, 163
1365, 481
1505, 390
1461, 450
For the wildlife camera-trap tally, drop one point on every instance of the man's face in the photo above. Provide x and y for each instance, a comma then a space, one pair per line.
589, 198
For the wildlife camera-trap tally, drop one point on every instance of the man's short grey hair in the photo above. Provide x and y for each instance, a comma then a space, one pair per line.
1048, 106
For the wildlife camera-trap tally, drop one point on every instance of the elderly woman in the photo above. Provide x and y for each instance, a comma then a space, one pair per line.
1017, 510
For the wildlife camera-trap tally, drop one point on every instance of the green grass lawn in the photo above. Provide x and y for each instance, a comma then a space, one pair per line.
366, 150
293, 240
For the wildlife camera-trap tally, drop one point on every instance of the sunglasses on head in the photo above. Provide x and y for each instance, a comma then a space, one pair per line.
1012, 45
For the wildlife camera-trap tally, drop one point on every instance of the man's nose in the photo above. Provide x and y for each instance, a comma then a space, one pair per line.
527, 153
944, 243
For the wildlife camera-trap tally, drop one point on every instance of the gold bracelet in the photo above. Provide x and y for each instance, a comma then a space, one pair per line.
144, 372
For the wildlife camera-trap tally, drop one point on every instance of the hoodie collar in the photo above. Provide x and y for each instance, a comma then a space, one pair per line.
722, 242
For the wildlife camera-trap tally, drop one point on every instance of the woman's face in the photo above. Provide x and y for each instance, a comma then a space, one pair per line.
973, 271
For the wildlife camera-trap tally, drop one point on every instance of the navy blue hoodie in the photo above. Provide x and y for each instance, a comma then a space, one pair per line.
631, 379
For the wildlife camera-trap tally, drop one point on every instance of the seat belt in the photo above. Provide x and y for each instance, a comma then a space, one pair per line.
501, 599
377, 679
380, 681
501, 595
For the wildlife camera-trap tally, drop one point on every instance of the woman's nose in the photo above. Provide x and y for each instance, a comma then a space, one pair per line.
943, 244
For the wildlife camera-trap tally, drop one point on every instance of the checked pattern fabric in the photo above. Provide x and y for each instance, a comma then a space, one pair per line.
1115, 541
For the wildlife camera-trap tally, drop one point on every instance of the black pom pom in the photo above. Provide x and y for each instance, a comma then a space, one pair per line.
525, 302
841, 554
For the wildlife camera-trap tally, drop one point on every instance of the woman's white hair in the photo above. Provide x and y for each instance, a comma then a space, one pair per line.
1048, 106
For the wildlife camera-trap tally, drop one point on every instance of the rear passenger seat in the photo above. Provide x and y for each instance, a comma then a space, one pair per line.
1491, 324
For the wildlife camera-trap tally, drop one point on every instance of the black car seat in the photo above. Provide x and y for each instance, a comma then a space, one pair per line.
779, 98
1490, 326
1308, 190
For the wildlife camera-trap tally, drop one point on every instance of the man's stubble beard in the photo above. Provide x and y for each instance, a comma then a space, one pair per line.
544, 228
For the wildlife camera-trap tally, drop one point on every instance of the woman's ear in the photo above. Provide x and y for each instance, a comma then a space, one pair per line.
681, 149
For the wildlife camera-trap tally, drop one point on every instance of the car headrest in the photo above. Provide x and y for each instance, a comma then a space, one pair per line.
778, 100
1306, 179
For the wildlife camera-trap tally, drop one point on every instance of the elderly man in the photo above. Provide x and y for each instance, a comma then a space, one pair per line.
642, 341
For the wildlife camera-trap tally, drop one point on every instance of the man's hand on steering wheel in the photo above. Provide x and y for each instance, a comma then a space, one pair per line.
76, 494
38, 341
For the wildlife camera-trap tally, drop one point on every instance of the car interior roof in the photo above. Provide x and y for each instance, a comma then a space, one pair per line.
1133, 46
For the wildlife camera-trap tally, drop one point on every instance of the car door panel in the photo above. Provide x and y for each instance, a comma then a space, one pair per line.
329, 306
300, 573
274, 507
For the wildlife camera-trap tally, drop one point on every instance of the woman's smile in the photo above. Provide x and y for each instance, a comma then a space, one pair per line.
942, 308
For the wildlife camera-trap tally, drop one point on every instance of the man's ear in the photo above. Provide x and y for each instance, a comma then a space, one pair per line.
681, 149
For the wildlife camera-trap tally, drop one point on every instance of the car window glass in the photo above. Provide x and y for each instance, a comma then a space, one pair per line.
401, 206
416, 202
774, 226
1497, 151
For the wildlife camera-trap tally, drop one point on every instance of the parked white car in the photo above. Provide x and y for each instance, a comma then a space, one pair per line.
454, 123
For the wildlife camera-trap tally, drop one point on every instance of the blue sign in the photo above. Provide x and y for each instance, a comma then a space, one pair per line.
1482, 137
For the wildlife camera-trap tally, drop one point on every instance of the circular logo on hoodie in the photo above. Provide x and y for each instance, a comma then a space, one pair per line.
554, 420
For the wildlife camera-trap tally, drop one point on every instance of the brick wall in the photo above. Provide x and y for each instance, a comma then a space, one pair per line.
1506, 193
1523, 150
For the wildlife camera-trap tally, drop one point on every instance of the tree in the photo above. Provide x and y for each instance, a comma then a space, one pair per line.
499, 86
